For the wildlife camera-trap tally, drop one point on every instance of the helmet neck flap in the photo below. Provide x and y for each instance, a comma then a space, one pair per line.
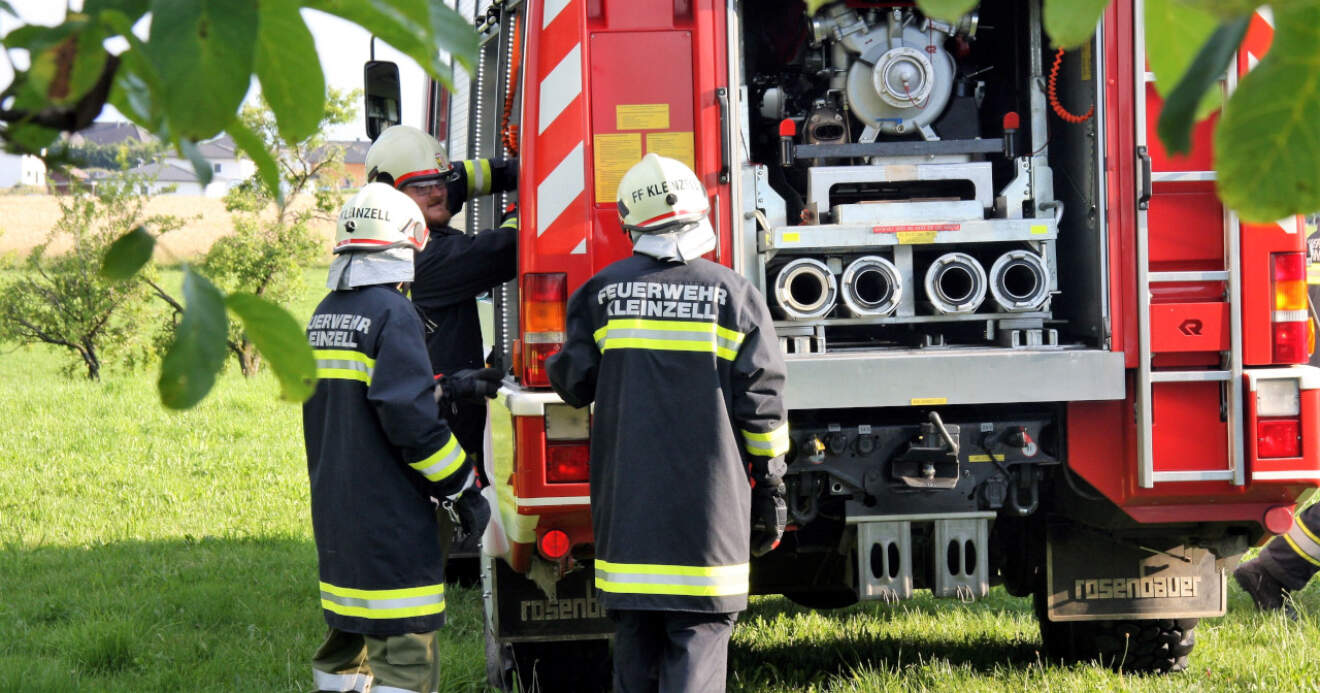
685, 244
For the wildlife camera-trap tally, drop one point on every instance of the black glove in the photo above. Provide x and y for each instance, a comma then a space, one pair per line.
769, 517
469, 384
469, 511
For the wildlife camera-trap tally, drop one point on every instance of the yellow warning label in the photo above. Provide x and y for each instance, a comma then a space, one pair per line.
1039, 230
792, 236
926, 401
916, 237
614, 155
984, 458
644, 116
675, 145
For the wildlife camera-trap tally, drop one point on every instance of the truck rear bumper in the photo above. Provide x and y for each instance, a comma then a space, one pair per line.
917, 377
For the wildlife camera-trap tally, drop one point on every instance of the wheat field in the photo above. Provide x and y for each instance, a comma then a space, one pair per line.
25, 221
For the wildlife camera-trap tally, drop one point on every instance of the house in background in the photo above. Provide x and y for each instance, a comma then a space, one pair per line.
106, 133
24, 169
228, 168
352, 168
171, 177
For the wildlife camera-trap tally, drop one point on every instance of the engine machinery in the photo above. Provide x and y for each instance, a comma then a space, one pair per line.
909, 212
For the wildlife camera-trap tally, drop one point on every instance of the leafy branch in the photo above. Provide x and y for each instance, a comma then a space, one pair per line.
185, 82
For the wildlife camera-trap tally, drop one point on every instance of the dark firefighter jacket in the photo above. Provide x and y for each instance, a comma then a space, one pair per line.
376, 453
684, 367
455, 268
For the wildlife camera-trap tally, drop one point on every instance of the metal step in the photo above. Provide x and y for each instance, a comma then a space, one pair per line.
1190, 376
1167, 277
1183, 176
1207, 475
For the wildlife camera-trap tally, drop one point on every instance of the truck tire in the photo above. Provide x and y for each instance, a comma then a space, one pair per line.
1138, 646
546, 667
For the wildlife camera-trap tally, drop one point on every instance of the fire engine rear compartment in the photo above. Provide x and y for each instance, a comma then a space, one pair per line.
901, 242
933, 426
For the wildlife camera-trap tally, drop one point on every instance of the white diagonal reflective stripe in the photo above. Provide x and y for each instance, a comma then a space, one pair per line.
559, 88
1266, 14
552, 10
581, 248
559, 189
342, 683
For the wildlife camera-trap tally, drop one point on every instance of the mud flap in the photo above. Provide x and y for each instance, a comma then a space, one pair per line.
1091, 576
522, 612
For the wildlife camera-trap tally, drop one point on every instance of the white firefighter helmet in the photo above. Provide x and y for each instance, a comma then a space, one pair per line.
379, 217
404, 154
661, 195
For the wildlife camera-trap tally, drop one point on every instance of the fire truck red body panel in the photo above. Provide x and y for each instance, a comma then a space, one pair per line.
1160, 293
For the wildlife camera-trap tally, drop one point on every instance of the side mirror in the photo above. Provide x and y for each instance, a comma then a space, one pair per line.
380, 80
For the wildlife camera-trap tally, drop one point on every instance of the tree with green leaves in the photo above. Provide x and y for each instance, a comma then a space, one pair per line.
185, 82
119, 157
59, 298
274, 238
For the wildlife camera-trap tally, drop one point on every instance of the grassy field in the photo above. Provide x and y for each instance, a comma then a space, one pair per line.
143, 550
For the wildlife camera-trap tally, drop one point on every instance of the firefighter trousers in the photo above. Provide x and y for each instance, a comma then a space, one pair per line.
1294, 557
670, 651
407, 663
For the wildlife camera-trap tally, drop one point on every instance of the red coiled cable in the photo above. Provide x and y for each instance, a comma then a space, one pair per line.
1053, 92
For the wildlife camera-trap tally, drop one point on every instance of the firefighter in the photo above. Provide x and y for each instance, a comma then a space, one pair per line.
455, 268
1285, 565
378, 454
680, 357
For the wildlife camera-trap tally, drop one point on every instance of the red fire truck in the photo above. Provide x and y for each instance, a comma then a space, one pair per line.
1026, 346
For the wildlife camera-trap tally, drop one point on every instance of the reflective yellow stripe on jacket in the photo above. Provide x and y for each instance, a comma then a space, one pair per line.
442, 462
478, 177
769, 444
399, 603
1304, 542
344, 364
691, 581
669, 335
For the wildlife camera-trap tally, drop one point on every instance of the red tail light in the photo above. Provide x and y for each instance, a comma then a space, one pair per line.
554, 544
1278, 438
1290, 308
567, 463
544, 302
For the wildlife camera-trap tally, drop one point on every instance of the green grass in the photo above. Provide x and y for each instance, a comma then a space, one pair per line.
143, 550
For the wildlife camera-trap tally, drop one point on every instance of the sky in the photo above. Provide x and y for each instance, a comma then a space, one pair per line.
343, 47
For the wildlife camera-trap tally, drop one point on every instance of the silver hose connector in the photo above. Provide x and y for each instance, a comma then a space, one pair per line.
1020, 281
872, 287
955, 283
805, 289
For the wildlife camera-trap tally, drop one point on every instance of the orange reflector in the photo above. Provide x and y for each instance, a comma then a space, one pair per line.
554, 544
1290, 295
543, 317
